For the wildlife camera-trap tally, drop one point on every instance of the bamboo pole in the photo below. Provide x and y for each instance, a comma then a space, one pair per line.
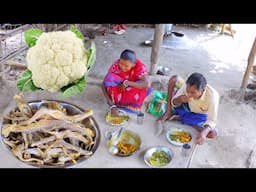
249, 65
157, 42
16, 64
191, 156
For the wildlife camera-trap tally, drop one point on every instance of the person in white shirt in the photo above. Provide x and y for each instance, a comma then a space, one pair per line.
195, 103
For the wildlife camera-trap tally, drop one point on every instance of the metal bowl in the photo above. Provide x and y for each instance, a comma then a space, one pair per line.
177, 143
121, 113
149, 153
71, 110
127, 137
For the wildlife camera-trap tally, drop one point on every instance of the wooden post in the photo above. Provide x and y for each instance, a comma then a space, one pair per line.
157, 42
222, 28
1, 49
249, 65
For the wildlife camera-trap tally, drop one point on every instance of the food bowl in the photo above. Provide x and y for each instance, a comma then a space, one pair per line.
178, 136
158, 156
127, 143
122, 119
71, 109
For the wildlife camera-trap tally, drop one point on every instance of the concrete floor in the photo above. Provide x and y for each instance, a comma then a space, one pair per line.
222, 60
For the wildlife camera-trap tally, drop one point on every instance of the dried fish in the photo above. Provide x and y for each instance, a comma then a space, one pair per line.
24, 135
10, 143
34, 151
39, 126
55, 105
43, 141
18, 152
48, 135
23, 105
55, 114
69, 146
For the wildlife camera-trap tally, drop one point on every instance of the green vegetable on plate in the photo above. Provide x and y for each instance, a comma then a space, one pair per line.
159, 158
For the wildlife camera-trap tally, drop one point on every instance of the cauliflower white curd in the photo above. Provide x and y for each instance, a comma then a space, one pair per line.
58, 59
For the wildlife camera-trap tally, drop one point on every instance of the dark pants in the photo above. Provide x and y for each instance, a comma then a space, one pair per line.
188, 117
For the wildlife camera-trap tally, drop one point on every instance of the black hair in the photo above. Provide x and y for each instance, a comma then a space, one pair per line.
128, 54
198, 80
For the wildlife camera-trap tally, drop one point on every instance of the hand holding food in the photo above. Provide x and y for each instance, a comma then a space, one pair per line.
121, 87
184, 99
114, 112
116, 120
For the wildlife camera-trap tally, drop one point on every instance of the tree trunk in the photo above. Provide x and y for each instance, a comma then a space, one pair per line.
157, 42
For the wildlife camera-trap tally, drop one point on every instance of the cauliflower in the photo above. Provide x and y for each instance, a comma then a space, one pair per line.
57, 62
58, 59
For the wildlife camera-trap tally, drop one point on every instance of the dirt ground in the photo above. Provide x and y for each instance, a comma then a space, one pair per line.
220, 58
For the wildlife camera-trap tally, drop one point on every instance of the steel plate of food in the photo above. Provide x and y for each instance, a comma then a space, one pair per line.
127, 143
178, 136
119, 120
158, 156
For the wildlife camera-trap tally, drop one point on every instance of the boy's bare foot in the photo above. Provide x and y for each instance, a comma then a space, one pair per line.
174, 118
212, 134
164, 117
202, 136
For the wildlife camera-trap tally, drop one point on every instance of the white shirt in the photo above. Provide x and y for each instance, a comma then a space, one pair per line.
208, 103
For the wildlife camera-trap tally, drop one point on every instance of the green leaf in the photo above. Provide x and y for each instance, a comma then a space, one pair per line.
77, 32
25, 83
91, 56
31, 36
73, 88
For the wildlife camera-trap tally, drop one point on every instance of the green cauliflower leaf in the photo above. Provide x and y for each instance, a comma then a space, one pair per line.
77, 32
25, 83
73, 88
31, 36
91, 56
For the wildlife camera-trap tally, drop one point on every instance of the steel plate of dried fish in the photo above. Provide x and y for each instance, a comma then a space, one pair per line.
50, 133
